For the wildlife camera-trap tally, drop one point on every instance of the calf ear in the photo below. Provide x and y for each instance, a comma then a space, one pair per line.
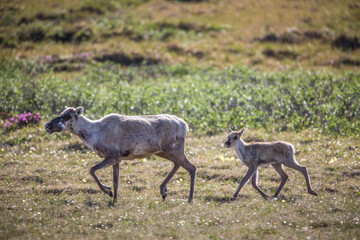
230, 130
79, 111
241, 132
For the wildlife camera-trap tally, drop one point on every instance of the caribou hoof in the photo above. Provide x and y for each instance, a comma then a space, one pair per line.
313, 193
108, 191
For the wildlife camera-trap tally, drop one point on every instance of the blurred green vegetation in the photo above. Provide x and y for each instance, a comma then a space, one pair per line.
209, 99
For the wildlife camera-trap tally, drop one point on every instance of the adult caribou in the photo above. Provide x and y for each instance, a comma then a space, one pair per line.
117, 137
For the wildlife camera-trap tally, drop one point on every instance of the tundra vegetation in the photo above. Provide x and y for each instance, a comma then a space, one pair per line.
289, 73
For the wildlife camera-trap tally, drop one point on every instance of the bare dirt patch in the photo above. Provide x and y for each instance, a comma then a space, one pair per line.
342, 61
346, 43
182, 51
71, 63
280, 54
134, 59
33, 178
187, 26
292, 36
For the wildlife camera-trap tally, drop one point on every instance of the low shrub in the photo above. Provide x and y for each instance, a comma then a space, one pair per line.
209, 100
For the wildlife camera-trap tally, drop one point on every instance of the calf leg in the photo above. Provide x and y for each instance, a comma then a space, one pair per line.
107, 162
116, 170
254, 183
246, 178
284, 177
293, 164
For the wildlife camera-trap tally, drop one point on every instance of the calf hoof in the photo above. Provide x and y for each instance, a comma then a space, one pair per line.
233, 198
312, 193
163, 196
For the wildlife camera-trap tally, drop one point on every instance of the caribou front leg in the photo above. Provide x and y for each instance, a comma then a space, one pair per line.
107, 162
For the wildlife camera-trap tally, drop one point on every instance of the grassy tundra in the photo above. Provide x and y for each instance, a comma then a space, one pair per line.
127, 57
46, 189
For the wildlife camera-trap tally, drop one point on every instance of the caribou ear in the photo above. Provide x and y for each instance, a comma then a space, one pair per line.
230, 130
241, 132
79, 111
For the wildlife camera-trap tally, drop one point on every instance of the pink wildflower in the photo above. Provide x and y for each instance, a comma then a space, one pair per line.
7, 124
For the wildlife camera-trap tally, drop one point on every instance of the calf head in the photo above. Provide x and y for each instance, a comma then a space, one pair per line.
233, 137
64, 121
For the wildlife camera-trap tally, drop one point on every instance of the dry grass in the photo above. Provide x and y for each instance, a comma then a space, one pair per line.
46, 191
132, 29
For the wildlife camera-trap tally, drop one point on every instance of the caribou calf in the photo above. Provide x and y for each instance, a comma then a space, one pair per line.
255, 154
117, 137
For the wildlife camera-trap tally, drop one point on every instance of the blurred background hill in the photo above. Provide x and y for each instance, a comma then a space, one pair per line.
268, 35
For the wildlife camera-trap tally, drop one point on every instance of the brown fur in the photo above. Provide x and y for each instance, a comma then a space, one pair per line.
255, 154
117, 137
